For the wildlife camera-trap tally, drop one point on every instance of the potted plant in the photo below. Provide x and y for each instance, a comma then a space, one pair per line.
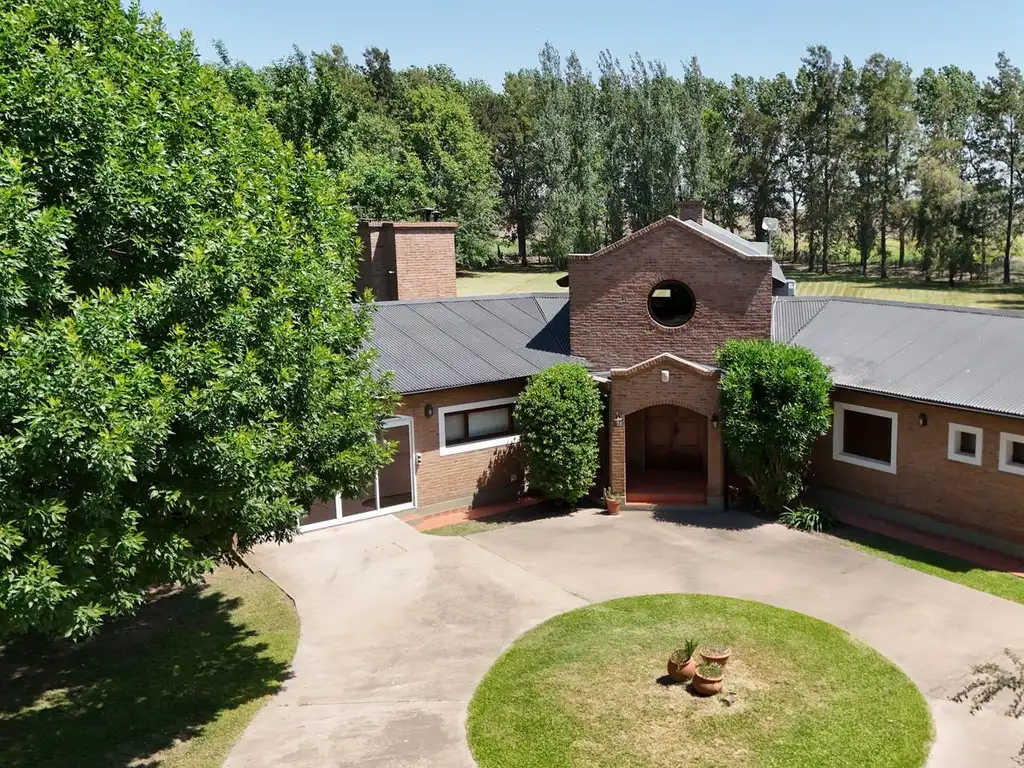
716, 654
707, 680
612, 501
681, 665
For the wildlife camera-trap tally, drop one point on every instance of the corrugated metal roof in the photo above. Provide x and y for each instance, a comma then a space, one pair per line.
789, 315
440, 343
959, 356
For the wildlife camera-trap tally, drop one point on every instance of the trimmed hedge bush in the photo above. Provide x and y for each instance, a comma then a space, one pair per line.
559, 415
774, 405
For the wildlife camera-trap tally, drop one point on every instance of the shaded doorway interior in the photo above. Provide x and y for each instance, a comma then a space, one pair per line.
393, 489
666, 456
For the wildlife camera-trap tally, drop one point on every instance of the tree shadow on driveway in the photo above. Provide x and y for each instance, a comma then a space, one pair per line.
134, 690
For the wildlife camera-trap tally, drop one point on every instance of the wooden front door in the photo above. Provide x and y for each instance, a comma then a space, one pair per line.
674, 439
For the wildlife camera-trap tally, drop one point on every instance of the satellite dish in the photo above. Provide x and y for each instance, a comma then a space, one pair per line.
769, 224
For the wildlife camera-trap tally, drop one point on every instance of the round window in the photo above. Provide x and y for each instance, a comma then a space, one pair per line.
671, 303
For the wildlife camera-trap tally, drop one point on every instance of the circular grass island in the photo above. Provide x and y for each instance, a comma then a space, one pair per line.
588, 688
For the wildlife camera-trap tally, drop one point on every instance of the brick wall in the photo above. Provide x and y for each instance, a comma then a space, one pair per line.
609, 321
425, 259
407, 259
980, 498
487, 474
641, 387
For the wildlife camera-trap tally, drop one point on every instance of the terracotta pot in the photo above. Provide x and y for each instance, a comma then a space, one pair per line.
613, 506
706, 686
719, 660
682, 673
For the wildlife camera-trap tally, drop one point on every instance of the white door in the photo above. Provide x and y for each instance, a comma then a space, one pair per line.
393, 489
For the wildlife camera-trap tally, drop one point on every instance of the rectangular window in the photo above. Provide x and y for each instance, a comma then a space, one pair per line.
1011, 453
865, 437
475, 426
965, 444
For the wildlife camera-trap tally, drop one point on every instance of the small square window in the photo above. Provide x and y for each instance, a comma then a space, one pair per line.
1011, 453
965, 444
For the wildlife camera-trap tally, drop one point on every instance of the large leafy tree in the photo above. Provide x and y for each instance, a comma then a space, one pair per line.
456, 162
182, 370
1000, 141
511, 120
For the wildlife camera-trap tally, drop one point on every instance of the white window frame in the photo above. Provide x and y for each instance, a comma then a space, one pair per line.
474, 445
338, 519
953, 451
838, 424
1006, 441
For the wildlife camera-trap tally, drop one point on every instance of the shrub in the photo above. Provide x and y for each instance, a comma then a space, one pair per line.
775, 405
182, 369
807, 518
558, 416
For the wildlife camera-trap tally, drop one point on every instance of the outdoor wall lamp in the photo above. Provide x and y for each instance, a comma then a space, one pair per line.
619, 421
922, 419
428, 410
714, 421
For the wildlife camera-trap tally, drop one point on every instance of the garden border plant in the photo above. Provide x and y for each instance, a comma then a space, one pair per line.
558, 415
774, 402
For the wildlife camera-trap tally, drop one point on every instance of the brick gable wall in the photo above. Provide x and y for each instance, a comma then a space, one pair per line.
927, 482
632, 391
609, 321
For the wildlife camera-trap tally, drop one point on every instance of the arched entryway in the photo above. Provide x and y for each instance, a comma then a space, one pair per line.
666, 456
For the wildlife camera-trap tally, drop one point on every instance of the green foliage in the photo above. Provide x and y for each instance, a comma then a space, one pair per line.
456, 164
558, 416
181, 364
808, 518
710, 670
684, 654
775, 404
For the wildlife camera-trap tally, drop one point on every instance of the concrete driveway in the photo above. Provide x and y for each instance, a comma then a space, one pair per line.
399, 627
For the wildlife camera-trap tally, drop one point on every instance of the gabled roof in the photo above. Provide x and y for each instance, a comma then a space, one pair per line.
957, 356
440, 343
730, 243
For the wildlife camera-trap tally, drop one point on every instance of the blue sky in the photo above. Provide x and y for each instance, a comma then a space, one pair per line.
486, 38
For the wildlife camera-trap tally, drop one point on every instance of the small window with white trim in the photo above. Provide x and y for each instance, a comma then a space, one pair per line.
1011, 453
865, 437
965, 444
474, 426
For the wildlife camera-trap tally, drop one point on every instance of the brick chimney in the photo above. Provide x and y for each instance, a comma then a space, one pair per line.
692, 210
408, 259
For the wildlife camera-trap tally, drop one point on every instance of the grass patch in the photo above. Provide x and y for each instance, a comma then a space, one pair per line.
966, 294
489, 283
174, 686
583, 689
467, 528
948, 567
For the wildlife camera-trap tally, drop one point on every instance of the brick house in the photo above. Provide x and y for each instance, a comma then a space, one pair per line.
929, 401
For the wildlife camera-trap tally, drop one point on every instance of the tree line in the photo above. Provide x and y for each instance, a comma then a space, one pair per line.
871, 160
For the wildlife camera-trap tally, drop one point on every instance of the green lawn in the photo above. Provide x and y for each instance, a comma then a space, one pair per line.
984, 295
486, 283
586, 689
174, 686
997, 583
